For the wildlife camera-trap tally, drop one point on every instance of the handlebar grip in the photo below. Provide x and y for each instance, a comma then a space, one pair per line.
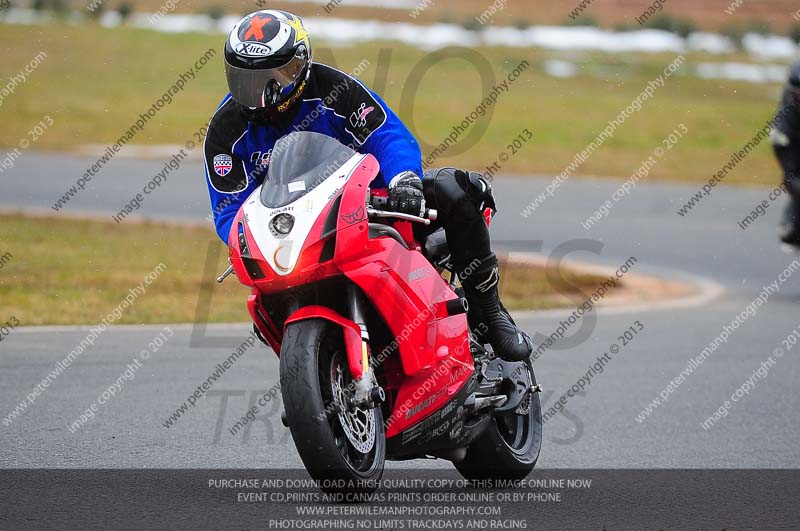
378, 202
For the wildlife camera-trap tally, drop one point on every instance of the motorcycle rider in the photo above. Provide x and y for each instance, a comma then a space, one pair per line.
276, 89
786, 142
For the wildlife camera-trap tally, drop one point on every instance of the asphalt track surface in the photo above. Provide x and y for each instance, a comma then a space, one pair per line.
597, 430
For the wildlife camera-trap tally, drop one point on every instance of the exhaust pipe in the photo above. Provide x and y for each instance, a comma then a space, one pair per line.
474, 404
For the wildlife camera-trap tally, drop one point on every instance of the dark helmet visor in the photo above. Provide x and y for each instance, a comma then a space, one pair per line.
257, 88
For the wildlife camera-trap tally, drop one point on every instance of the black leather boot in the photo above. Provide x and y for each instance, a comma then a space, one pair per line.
487, 313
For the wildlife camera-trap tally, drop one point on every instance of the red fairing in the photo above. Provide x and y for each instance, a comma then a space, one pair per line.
407, 291
264, 322
308, 268
352, 333
434, 360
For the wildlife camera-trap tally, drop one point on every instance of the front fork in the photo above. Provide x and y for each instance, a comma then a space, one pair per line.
367, 392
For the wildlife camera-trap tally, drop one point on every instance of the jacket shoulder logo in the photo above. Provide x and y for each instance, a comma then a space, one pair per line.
260, 159
223, 164
359, 117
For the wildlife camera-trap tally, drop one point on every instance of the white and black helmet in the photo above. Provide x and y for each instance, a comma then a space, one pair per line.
268, 60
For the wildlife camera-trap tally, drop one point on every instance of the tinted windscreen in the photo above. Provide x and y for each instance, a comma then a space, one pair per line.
299, 163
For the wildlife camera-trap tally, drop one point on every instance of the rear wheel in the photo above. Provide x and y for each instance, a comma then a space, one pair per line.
510, 446
341, 446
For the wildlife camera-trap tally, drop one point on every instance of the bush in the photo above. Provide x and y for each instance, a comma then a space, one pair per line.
471, 24
124, 11
794, 33
215, 12
623, 27
665, 22
522, 24
734, 33
583, 20
684, 28
54, 5
760, 27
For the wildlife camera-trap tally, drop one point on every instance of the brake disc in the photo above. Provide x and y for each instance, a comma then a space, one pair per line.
358, 424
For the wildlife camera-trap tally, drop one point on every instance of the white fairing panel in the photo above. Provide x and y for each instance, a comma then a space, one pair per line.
283, 252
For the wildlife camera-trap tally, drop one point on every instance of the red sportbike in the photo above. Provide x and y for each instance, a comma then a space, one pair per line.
376, 357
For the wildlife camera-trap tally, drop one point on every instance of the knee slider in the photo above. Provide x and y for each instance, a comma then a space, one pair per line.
477, 189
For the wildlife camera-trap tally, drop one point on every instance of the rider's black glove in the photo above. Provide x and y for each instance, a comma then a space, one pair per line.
405, 194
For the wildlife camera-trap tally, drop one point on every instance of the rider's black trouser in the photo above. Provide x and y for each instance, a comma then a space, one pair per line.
459, 198
789, 159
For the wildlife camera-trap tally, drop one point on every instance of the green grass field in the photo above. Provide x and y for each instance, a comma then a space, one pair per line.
76, 271
72, 271
707, 15
96, 81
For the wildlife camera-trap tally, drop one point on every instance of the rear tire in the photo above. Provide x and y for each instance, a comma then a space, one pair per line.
344, 449
510, 446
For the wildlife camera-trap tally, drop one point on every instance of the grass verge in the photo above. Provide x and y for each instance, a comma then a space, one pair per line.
95, 101
709, 14
73, 271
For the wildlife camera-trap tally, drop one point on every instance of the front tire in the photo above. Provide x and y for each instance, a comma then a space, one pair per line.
343, 448
510, 446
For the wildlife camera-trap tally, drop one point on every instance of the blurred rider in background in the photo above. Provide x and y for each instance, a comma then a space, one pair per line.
786, 141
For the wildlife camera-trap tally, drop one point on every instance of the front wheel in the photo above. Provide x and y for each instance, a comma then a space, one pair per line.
510, 446
342, 447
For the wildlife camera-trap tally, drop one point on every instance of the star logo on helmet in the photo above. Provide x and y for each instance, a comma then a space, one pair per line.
300, 32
